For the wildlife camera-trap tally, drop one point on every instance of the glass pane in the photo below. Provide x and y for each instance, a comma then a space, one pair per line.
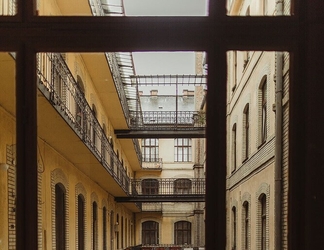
258, 8
8, 150
257, 148
77, 160
123, 7
8, 7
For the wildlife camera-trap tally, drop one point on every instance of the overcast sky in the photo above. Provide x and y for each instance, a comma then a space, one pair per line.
165, 7
165, 63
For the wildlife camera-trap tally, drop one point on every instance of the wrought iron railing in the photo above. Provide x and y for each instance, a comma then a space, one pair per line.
115, 8
169, 247
168, 186
155, 120
61, 89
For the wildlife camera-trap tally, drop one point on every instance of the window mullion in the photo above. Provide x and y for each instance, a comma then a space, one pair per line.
216, 149
26, 108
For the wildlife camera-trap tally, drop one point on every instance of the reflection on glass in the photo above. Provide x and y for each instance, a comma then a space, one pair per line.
8, 7
8, 151
258, 8
123, 7
257, 163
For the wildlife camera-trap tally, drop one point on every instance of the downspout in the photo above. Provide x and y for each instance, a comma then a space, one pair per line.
278, 145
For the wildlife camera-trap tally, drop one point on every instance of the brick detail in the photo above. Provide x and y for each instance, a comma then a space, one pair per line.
258, 160
10, 159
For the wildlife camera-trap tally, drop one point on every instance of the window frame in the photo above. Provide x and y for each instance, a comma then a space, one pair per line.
234, 147
182, 150
184, 232
153, 230
81, 222
150, 150
60, 217
234, 228
223, 33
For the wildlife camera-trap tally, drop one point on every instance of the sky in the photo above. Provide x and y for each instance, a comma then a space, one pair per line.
165, 63
165, 7
161, 63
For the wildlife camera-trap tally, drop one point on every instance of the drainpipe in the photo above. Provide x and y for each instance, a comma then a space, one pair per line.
278, 145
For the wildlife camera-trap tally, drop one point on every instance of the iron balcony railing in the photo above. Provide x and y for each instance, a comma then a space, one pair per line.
169, 247
168, 186
61, 89
167, 120
116, 8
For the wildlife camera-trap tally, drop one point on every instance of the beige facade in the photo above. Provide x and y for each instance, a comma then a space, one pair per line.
257, 141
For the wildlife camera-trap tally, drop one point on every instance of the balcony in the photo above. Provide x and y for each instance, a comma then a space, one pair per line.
167, 115
152, 164
166, 190
62, 91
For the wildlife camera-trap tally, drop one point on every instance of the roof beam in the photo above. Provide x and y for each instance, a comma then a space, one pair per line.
130, 134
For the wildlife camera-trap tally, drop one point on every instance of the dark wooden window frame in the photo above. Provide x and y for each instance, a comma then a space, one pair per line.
182, 233
300, 34
60, 216
150, 233
81, 222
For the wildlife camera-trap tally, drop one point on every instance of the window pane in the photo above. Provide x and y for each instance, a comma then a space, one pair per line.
8, 7
77, 94
258, 8
123, 7
258, 110
8, 170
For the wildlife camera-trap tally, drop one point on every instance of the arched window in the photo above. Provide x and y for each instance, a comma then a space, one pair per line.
234, 229
104, 228
246, 132
263, 108
182, 233
60, 216
182, 186
112, 231
150, 186
246, 226
234, 147
81, 222
263, 220
122, 231
150, 233
117, 230
94, 226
